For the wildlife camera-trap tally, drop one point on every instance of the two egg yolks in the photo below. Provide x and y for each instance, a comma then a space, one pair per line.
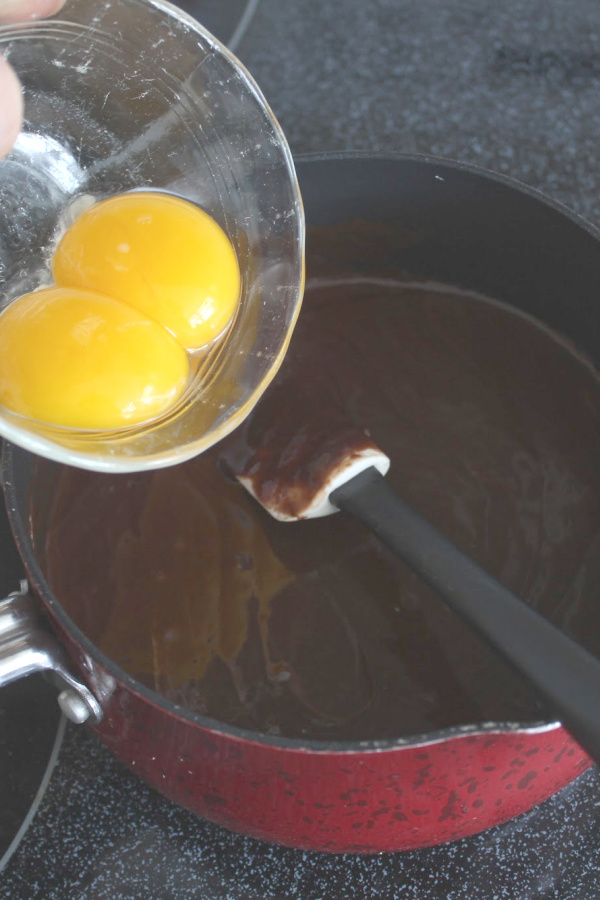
141, 281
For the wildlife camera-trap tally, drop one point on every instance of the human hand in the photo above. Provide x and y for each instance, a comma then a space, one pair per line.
11, 98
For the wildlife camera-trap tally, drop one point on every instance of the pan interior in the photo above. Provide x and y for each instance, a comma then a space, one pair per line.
313, 632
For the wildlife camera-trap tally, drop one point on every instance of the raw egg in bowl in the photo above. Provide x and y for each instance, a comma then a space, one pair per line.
151, 239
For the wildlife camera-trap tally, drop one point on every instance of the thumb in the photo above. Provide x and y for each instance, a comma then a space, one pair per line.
26, 10
11, 107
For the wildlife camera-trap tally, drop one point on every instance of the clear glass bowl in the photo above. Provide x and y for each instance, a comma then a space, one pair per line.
130, 94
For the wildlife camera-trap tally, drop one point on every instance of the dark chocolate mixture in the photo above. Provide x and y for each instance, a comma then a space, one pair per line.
312, 628
302, 433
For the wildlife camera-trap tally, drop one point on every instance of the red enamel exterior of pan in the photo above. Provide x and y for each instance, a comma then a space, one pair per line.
477, 231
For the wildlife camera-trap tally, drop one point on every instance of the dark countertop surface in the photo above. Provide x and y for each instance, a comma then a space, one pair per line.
511, 86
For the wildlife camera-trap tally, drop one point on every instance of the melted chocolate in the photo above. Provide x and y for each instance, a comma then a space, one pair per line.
296, 439
313, 628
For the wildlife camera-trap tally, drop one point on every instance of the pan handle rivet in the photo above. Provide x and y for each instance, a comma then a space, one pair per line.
73, 707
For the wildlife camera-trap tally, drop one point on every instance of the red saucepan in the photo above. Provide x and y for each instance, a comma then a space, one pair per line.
459, 226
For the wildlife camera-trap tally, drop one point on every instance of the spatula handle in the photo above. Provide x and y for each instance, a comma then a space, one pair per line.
565, 674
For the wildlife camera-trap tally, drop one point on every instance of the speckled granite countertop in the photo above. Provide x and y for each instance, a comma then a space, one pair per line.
512, 86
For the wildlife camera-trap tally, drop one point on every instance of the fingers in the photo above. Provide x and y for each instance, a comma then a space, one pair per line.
13, 11
11, 107
11, 98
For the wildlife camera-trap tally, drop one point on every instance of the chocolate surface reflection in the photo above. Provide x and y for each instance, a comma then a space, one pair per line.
314, 629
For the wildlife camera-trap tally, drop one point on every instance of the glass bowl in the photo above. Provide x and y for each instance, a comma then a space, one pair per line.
130, 94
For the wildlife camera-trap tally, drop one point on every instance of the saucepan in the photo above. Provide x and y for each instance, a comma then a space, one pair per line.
456, 225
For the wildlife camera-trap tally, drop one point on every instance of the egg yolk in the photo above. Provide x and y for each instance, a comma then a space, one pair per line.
162, 255
76, 359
